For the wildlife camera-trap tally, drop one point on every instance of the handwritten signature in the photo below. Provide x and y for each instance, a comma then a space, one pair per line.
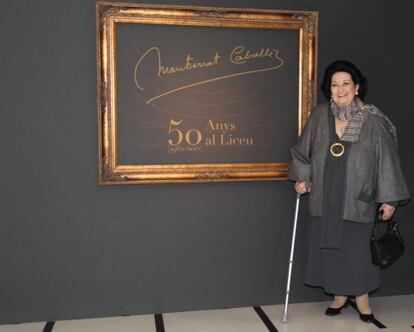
238, 56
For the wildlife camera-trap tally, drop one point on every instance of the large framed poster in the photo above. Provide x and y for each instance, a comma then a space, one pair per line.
193, 94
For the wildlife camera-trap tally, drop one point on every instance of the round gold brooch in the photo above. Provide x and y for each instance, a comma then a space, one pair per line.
337, 149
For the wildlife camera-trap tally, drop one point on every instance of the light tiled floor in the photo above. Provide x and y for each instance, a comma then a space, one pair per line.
144, 323
229, 320
395, 312
310, 317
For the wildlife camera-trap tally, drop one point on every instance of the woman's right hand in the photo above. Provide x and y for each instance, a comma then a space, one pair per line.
301, 188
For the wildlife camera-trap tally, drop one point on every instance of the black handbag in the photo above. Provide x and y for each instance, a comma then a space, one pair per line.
387, 248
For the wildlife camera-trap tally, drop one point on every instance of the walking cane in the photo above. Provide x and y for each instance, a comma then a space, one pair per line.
292, 249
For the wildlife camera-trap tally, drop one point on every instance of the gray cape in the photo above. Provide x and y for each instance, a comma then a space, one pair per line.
373, 171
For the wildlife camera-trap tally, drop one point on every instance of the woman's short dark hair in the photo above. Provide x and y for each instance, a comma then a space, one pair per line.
348, 67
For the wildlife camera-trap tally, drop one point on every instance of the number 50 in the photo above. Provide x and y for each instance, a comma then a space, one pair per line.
192, 136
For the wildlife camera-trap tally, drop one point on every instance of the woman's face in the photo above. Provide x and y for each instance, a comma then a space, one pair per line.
343, 88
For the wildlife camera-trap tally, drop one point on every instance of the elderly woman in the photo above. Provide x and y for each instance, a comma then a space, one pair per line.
347, 159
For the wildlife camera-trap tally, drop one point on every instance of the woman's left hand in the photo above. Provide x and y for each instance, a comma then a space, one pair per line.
386, 211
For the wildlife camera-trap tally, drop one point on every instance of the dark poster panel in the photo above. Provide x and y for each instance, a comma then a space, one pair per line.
205, 94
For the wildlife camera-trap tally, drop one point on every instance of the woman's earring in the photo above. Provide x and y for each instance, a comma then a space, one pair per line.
356, 93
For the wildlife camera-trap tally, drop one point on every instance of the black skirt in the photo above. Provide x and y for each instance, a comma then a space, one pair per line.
344, 271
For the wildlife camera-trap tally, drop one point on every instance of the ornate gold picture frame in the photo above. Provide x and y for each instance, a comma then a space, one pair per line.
201, 94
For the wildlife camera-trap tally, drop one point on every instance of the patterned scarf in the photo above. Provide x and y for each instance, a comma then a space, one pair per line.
345, 112
356, 113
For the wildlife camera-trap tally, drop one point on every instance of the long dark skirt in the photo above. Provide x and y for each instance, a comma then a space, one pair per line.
345, 271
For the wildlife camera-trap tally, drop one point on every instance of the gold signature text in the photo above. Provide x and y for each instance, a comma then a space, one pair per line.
241, 55
238, 56
163, 69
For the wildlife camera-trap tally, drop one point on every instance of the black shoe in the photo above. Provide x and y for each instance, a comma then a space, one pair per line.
336, 311
367, 318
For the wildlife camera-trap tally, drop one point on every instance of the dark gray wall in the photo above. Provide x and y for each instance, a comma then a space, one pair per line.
70, 248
